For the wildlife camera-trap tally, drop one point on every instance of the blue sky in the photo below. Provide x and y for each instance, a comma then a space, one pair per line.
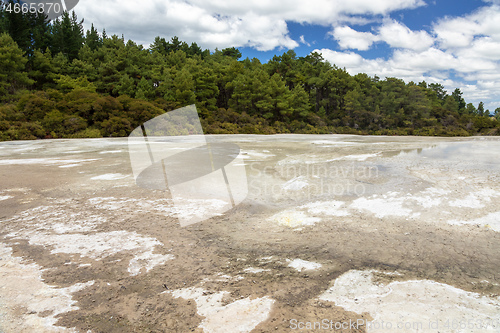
416, 19
455, 43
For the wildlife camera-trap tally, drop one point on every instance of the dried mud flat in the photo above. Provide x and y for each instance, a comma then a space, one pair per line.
335, 230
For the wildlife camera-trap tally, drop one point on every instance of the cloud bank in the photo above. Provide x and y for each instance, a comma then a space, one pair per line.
459, 52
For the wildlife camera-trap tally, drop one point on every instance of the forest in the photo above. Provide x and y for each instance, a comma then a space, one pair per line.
59, 81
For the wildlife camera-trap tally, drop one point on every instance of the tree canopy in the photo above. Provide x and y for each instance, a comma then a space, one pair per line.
57, 80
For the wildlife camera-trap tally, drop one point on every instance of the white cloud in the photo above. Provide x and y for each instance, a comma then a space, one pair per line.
354, 63
313, 11
303, 40
400, 36
457, 32
405, 64
468, 46
485, 48
474, 40
349, 38
221, 23
433, 66
394, 33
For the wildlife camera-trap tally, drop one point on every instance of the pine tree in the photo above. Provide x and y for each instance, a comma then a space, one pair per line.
232, 52
470, 109
31, 31
299, 101
18, 26
40, 33
42, 70
480, 109
144, 90
183, 87
3, 19
439, 90
160, 45
12, 67
92, 39
206, 90
457, 95
450, 104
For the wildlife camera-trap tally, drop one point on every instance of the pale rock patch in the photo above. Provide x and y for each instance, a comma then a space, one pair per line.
382, 207
110, 176
23, 287
241, 316
293, 219
414, 302
104, 244
303, 265
295, 184
490, 221
359, 158
44, 161
253, 270
329, 208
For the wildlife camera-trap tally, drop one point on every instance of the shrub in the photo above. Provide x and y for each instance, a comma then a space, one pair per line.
116, 126
86, 133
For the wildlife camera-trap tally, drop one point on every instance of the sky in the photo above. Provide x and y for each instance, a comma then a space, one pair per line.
454, 43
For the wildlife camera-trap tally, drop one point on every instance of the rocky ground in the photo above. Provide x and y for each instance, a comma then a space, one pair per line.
337, 233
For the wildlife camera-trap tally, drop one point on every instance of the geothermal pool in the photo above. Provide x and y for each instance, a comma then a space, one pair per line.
337, 233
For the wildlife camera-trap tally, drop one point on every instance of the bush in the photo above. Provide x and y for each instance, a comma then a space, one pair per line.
35, 106
280, 127
25, 131
116, 127
231, 128
86, 133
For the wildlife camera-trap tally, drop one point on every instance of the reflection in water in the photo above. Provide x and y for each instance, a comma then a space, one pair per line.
486, 153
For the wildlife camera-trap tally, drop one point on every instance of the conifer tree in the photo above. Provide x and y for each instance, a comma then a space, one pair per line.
12, 67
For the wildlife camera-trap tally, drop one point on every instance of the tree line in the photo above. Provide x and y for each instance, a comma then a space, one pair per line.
58, 81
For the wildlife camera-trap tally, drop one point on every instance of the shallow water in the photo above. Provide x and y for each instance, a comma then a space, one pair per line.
413, 214
485, 153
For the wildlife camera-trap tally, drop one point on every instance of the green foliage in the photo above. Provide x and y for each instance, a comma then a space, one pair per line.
470, 109
439, 91
67, 35
12, 67
451, 104
35, 106
232, 52
457, 95
86, 133
92, 39
163, 47
144, 90
57, 81
67, 84
116, 126
480, 109
29, 31
23, 131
